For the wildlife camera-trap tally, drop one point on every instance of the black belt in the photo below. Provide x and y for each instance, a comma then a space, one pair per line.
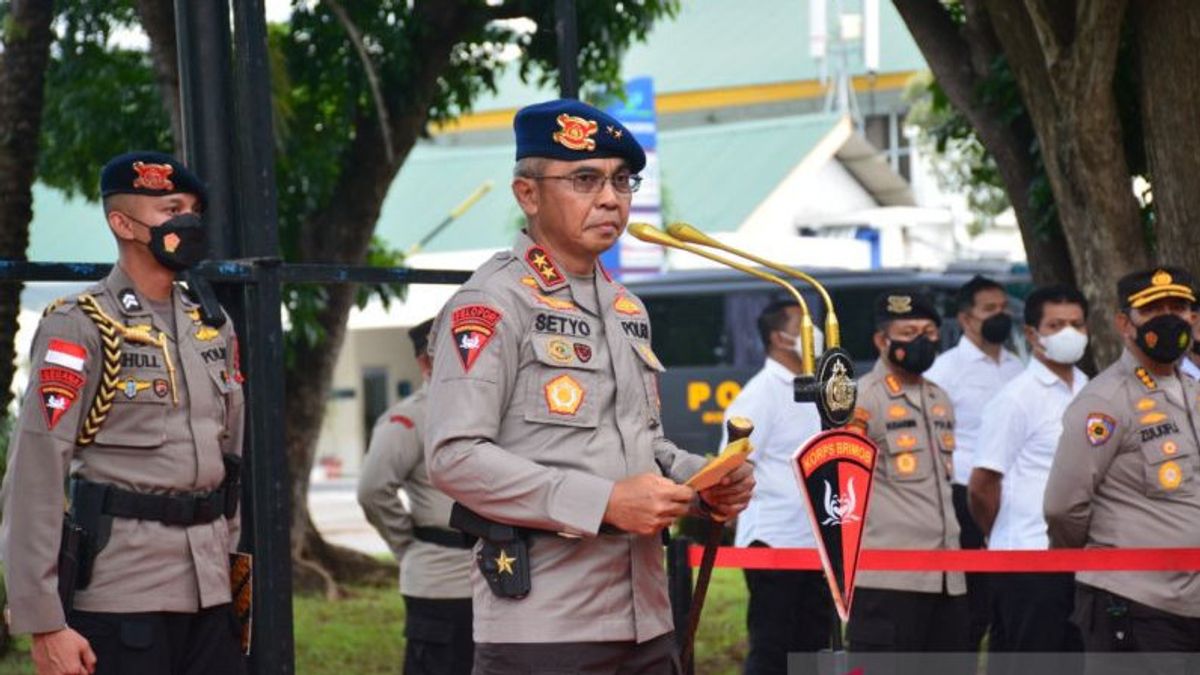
443, 537
180, 509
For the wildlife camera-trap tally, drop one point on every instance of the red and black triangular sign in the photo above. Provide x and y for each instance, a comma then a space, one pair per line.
472, 326
834, 469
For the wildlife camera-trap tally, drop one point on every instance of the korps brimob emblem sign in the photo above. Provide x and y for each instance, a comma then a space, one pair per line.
834, 470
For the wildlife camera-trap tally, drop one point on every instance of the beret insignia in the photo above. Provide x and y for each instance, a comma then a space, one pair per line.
575, 133
153, 176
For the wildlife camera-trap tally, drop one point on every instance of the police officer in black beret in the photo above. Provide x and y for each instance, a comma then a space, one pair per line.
134, 401
911, 420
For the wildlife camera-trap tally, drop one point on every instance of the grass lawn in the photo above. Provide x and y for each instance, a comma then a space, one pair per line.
363, 634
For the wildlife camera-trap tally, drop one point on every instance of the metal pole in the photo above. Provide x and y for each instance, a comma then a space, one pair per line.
566, 28
202, 30
243, 224
267, 488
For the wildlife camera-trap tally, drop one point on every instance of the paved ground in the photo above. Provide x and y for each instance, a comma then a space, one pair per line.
336, 514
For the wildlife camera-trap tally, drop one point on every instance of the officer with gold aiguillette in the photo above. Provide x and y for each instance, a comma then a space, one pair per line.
134, 401
1125, 476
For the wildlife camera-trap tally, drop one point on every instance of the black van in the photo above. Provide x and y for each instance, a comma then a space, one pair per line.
705, 332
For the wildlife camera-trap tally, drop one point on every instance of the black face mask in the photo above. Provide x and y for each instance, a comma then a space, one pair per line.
996, 328
179, 243
1164, 338
915, 355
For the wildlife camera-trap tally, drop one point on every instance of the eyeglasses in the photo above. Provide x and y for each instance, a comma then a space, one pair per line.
591, 183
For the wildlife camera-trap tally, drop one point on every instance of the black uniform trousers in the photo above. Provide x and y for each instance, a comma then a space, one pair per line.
437, 635
653, 657
1111, 623
907, 621
979, 608
788, 612
1033, 613
163, 643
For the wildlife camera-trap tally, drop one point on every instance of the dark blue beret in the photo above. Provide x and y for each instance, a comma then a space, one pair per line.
905, 304
572, 131
148, 173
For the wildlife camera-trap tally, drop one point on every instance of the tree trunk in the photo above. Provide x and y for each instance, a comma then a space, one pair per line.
341, 233
158, 20
961, 58
1167, 33
26, 54
1064, 66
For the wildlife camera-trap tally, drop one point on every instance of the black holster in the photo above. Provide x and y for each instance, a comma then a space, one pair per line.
503, 556
70, 552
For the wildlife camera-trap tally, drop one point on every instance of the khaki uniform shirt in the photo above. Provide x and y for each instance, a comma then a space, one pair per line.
395, 460
1125, 476
910, 505
544, 393
149, 443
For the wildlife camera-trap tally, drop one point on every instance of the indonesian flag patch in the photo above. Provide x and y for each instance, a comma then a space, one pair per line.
472, 326
66, 354
59, 387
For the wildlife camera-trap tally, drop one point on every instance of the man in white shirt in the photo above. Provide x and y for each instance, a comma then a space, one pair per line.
1017, 443
789, 611
971, 373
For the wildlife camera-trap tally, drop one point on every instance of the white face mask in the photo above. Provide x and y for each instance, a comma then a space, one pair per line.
1066, 346
818, 343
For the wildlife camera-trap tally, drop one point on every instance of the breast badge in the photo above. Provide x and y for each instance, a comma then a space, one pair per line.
906, 463
564, 395
1170, 476
560, 351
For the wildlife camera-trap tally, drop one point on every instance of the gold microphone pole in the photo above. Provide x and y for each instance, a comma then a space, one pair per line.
687, 233
650, 234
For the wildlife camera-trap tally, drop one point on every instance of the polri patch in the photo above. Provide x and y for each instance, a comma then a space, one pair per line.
402, 421
1099, 428
472, 327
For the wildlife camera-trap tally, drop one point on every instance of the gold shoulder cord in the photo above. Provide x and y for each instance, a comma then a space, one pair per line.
112, 333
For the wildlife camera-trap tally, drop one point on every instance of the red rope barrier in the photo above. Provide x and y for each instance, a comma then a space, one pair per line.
1058, 560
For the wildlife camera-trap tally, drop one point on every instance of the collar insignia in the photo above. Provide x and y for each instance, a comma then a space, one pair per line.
541, 262
893, 384
1147, 380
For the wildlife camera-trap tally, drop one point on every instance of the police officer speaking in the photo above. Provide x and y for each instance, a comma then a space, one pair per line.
136, 397
435, 561
550, 425
912, 421
1125, 475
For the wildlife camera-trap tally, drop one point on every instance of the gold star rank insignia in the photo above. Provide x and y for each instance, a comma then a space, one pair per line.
504, 563
541, 263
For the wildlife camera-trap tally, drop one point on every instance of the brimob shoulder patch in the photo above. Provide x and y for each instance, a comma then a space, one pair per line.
472, 327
